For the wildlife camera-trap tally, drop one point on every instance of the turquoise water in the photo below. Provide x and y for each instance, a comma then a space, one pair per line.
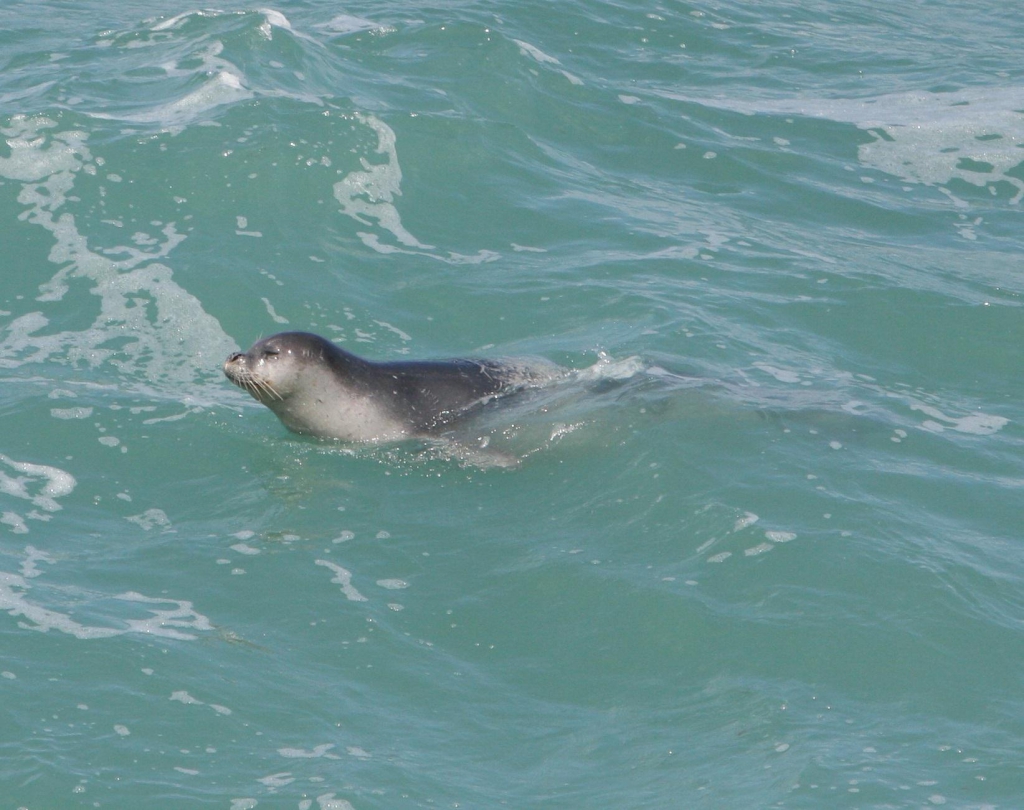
763, 550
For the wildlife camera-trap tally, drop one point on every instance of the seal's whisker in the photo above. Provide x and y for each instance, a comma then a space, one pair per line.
250, 386
256, 385
262, 389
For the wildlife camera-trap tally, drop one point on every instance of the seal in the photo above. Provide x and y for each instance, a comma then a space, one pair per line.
317, 388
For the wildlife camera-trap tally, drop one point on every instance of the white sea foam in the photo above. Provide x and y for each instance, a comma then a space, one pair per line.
224, 87
175, 22
71, 413
315, 753
222, 83
13, 600
347, 24
276, 780
39, 484
535, 53
174, 622
32, 556
170, 341
369, 195
15, 521
151, 519
48, 483
748, 519
343, 578
184, 697
607, 369
276, 19
169, 622
978, 424
328, 802
29, 164
403, 335
780, 374
974, 135
272, 313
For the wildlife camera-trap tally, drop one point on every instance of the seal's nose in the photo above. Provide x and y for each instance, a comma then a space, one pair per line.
232, 367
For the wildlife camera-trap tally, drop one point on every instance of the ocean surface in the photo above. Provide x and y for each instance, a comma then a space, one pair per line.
762, 544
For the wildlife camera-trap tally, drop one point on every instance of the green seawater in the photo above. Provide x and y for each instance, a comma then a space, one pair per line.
763, 550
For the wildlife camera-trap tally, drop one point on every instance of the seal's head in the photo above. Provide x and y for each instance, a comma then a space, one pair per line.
274, 369
314, 387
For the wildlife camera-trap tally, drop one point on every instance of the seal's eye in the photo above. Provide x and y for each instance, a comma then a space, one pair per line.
271, 352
